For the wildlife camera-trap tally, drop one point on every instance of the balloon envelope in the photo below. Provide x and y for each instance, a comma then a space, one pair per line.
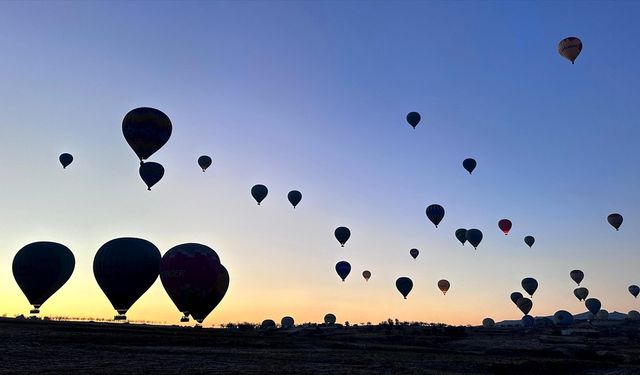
366, 275
204, 162
414, 253
505, 226
210, 301
461, 235
634, 315
615, 220
413, 118
287, 322
474, 236
268, 324
343, 269
528, 321
342, 234
602, 314
577, 276
469, 165
65, 159
146, 130
151, 173
435, 213
581, 293
570, 48
41, 268
404, 286
530, 285
259, 192
515, 296
593, 305
563, 318
444, 286
294, 197
529, 240
488, 323
524, 304
329, 319
634, 290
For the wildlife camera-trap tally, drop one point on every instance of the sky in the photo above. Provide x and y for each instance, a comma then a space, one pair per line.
313, 96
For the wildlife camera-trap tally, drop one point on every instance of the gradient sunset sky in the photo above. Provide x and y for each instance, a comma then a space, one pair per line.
313, 96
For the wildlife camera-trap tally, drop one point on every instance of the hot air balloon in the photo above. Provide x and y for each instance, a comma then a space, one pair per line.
413, 118
634, 315
461, 235
414, 253
343, 269
593, 305
259, 193
528, 321
570, 48
505, 226
294, 197
602, 314
40, 269
488, 323
204, 162
404, 286
268, 324
474, 236
366, 275
469, 165
515, 296
529, 284
125, 268
443, 285
634, 290
577, 276
563, 318
151, 173
287, 322
342, 235
190, 274
524, 304
581, 293
435, 213
65, 160
329, 319
200, 311
146, 131
529, 240
615, 220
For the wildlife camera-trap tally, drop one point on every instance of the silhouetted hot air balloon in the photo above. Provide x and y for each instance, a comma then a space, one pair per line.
615, 220
151, 173
287, 322
329, 319
634, 290
342, 235
581, 293
366, 275
528, 321
593, 305
65, 160
563, 318
444, 286
343, 269
125, 268
268, 324
524, 304
404, 286
515, 296
488, 323
259, 192
577, 276
435, 213
530, 285
634, 315
570, 48
461, 235
204, 162
414, 253
200, 310
413, 118
294, 197
40, 269
190, 274
602, 314
146, 131
505, 226
474, 236
529, 240
469, 165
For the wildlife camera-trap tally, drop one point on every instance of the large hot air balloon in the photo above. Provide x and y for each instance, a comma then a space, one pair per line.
151, 173
488, 323
524, 304
469, 165
414, 253
404, 286
593, 305
65, 160
343, 269
581, 293
529, 240
294, 197
413, 118
634, 290
505, 226
204, 162
287, 322
366, 274
577, 276
515, 296
329, 319
461, 235
529, 284
435, 213
210, 301
146, 131
342, 235
190, 276
125, 268
40, 269
474, 236
570, 48
615, 220
444, 286
563, 318
259, 192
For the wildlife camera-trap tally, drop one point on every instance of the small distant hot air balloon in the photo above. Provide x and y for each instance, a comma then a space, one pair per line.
146, 130
581, 293
634, 290
404, 286
443, 285
615, 220
413, 118
515, 296
287, 322
65, 160
634, 315
414, 253
469, 165
294, 197
474, 236
505, 226
329, 319
204, 162
461, 235
259, 192
343, 269
602, 314
366, 274
268, 324
529, 240
563, 318
570, 48
577, 276
488, 323
593, 305
524, 304
342, 234
435, 213
151, 173
530, 285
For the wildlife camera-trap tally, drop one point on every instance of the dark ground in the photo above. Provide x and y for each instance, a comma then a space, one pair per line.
36, 347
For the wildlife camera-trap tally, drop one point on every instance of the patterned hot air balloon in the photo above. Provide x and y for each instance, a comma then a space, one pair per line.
570, 48
505, 226
435, 213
